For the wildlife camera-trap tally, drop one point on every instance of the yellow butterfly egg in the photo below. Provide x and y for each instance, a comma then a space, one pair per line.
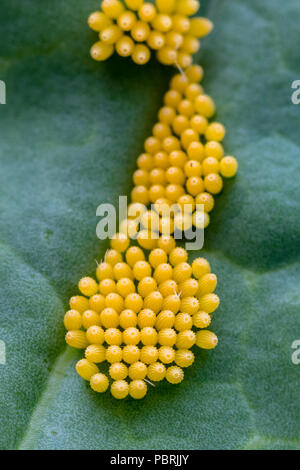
170, 144
100, 51
72, 320
122, 270
184, 357
142, 269
113, 337
201, 320
149, 354
125, 286
90, 318
228, 167
140, 31
147, 240
192, 168
180, 123
174, 39
154, 301
195, 72
156, 40
165, 6
128, 319
172, 303
201, 219
145, 160
166, 354
188, 288
99, 383
140, 194
200, 27
167, 337
206, 200
175, 175
195, 151
148, 336
199, 123
152, 144
161, 159
209, 303
95, 353
178, 255
206, 339
114, 301
200, 266
118, 371
185, 339
205, 105
186, 108
168, 287
137, 370
134, 302
190, 305
190, 44
119, 389
161, 131
181, 24
125, 46
134, 4
119, 242
98, 21
156, 176
146, 286
183, 321
131, 354
157, 257
187, 7
195, 185
215, 131
163, 272
79, 303
147, 12
137, 389
162, 22
76, 339
182, 272
111, 34
213, 183
174, 192
165, 319
156, 191
112, 8
146, 317
189, 136
174, 375
131, 336
113, 354
97, 303
113, 257
86, 369
207, 284
210, 165
95, 335
156, 371
213, 149
133, 255
127, 20
191, 92
109, 318
88, 286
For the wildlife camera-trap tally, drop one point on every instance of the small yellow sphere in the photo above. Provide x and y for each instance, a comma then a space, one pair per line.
172, 302
215, 131
125, 286
188, 288
113, 257
148, 336
156, 40
154, 301
131, 354
146, 317
113, 336
72, 320
165, 320
209, 303
207, 200
145, 161
166, 354
140, 31
125, 46
213, 183
182, 272
174, 375
134, 302
200, 219
166, 243
228, 167
199, 123
118, 371
76, 339
192, 168
119, 242
133, 255
146, 286
141, 269
99, 383
168, 287
213, 149
201, 320
137, 389
127, 20
111, 34
112, 8
128, 319
190, 305
79, 303
210, 165
187, 7
98, 21
184, 357
149, 354
185, 339
141, 54
200, 27
131, 336
88, 286
205, 106
113, 354
109, 318
207, 284
134, 4
114, 301
200, 267
122, 270
147, 12
156, 371
95, 353
95, 334
181, 23
167, 337
90, 318
97, 303
195, 72
183, 321
119, 389
137, 371
100, 51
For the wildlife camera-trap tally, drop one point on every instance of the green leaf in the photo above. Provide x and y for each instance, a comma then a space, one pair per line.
70, 135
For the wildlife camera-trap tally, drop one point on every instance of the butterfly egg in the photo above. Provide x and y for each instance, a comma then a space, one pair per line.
133, 255
213, 149
166, 354
137, 389
187, 7
99, 383
192, 168
119, 242
207, 284
170, 144
154, 301
199, 123
156, 40
209, 303
140, 194
163, 272
178, 82
172, 98
191, 92
161, 131
95, 335
186, 204
145, 160
111, 34
177, 158
100, 51
79, 303
146, 286
122, 270
167, 337
98, 21
174, 39
166, 225
140, 31
112, 8
128, 319
182, 272
200, 267
201, 319
165, 320
178, 255
162, 207
200, 219
125, 46
156, 191
196, 152
174, 375
215, 131
149, 354
166, 243
181, 24
190, 45
119, 389
88, 286
113, 354
106, 286
206, 200
184, 59
113, 257
147, 240
95, 353
195, 72
179, 124
157, 176
166, 114
134, 4
141, 54
97, 303
195, 185
131, 354
172, 303
131, 335
72, 320
213, 183
127, 20
188, 288
130, 227
168, 287
109, 318
161, 159
147, 12
186, 108
200, 27
185, 339
76, 339
146, 317
183, 321
188, 136
184, 357
148, 336
228, 167
175, 175
162, 23
114, 301
118, 371
137, 370
125, 286
113, 337
210, 165
205, 106
134, 302
157, 257
206, 339
142, 269
90, 318
190, 305
156, 371
86, 369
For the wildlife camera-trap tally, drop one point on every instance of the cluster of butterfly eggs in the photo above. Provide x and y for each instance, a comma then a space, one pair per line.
164, 27
183, 163
140, 316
